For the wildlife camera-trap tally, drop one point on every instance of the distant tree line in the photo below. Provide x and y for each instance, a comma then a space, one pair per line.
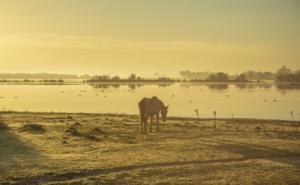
222, 77
283, 74
53, 81
194, 75
131, 78
41, 76
31, 81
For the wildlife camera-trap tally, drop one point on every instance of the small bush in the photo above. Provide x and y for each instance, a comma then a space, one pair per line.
73, 131
97, 131
91, 137
177, 125
32, 127
258, 128
3, 126
77, 124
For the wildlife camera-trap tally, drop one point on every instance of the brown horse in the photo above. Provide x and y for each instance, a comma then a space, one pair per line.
151, 107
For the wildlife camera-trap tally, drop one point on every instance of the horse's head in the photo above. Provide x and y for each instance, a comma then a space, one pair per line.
164, 112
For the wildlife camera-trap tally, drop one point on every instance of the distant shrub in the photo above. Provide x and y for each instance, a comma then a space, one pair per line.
3, 126
177, 125
97, 131
73, 131
92, 135
218, 77
77, 124
257, 128
32, 127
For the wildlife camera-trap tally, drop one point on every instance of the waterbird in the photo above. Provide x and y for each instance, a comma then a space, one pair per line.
197, 113
292, 114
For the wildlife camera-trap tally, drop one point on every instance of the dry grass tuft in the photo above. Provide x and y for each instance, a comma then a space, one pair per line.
34, 128
73, 131
90, 135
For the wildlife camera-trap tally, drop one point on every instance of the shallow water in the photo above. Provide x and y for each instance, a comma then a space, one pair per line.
239, 101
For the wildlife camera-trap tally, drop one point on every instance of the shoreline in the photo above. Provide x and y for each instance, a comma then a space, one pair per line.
171, 118
143, 82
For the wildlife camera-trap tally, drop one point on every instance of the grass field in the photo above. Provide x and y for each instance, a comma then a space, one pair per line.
52, 148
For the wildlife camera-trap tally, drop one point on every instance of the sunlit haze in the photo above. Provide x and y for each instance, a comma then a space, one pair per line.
148, 36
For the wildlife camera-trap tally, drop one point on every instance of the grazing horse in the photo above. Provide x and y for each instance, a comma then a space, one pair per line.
151, 107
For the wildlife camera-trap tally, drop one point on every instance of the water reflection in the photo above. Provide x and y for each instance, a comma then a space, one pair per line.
132, 86
283, 88
266, 100
217, 86
288, 86
164, 85
253, 86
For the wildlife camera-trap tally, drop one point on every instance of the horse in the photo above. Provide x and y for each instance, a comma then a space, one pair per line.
152, 107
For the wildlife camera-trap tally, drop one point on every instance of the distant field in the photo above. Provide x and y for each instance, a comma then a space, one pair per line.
45, 148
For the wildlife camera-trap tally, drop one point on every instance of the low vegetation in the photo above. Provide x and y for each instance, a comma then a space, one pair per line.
3, 126
32, 127
131, 78
109, 149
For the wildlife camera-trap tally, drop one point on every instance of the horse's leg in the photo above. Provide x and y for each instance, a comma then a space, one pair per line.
151, 123
142, 120
157, 120
145, 124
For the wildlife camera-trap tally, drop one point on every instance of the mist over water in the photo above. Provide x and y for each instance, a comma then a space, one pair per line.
268, 101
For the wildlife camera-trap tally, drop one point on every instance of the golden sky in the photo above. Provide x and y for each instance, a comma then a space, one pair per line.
148, 36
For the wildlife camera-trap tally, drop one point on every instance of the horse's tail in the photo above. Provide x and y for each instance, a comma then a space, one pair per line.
142, 110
